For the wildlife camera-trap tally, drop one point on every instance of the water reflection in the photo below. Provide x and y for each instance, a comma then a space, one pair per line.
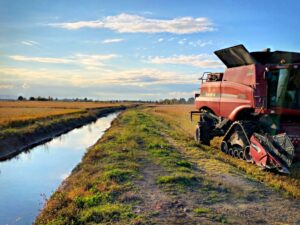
33, 175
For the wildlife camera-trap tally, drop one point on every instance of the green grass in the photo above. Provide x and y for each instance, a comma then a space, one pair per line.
182, 179
119, 175
202, 210
184, 163
106, 213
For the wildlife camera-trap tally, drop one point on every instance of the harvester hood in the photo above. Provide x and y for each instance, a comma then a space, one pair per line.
235, 56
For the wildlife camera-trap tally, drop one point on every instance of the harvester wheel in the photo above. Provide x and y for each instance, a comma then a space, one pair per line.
201, 136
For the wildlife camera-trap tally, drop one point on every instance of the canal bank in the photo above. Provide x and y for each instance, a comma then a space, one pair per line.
28, 179
19, 139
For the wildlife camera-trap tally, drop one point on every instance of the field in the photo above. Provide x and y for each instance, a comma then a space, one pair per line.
26, 110
147, 169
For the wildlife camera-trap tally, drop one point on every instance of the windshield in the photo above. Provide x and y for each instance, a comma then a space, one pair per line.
284, 88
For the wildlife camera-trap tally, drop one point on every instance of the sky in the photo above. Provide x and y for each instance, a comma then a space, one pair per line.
131, 49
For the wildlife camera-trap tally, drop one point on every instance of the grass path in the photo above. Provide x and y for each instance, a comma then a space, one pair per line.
146, 171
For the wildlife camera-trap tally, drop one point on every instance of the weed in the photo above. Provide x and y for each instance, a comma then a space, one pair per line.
106, 213
180, 179
119, 175
184, 163
201, 210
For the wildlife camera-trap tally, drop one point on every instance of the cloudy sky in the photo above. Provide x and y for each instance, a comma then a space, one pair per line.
130, 49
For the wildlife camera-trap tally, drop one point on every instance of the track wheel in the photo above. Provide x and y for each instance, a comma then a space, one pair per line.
241, 155
235, 153
230, 152
247, 155
224, 147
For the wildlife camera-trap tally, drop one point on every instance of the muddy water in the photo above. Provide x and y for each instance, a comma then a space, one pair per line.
27, 179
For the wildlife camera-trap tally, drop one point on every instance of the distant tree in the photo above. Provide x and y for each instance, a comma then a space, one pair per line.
21, 98
85, 99
39, 98
182, 101
31, 98
191, 100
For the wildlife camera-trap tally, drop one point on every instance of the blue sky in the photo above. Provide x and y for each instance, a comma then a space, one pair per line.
129, 49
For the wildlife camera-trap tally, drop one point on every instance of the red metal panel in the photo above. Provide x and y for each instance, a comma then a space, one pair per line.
209, 96
234, 95
244, 75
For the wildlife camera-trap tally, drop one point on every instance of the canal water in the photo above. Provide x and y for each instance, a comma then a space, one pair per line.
28, 178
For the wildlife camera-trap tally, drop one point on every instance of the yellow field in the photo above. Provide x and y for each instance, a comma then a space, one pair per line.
56, 104
24, 110
180, 114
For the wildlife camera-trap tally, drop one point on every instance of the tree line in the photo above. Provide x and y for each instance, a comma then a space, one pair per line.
163, 101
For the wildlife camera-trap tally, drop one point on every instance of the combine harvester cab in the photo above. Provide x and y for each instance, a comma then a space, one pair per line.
255, 105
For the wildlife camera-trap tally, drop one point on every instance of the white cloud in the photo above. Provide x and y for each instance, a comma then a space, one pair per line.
115, 40
82, 78
200, 61
160, 40
29, 43
128, 23
25, 86
89, 61
182, 41
180, 94
200, 43
6, 86
39, 59
92, 61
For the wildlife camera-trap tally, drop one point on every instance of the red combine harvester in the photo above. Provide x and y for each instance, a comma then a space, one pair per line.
255, 105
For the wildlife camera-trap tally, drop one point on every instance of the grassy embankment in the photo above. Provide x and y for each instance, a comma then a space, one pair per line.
112, 184
22, 120
104, 187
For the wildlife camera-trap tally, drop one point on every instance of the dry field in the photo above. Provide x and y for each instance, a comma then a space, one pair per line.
26, 110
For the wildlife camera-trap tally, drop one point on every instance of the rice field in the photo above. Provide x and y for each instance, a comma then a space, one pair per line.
11, 111
57, 104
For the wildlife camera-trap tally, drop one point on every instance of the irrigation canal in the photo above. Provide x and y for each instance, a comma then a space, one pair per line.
32, 176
